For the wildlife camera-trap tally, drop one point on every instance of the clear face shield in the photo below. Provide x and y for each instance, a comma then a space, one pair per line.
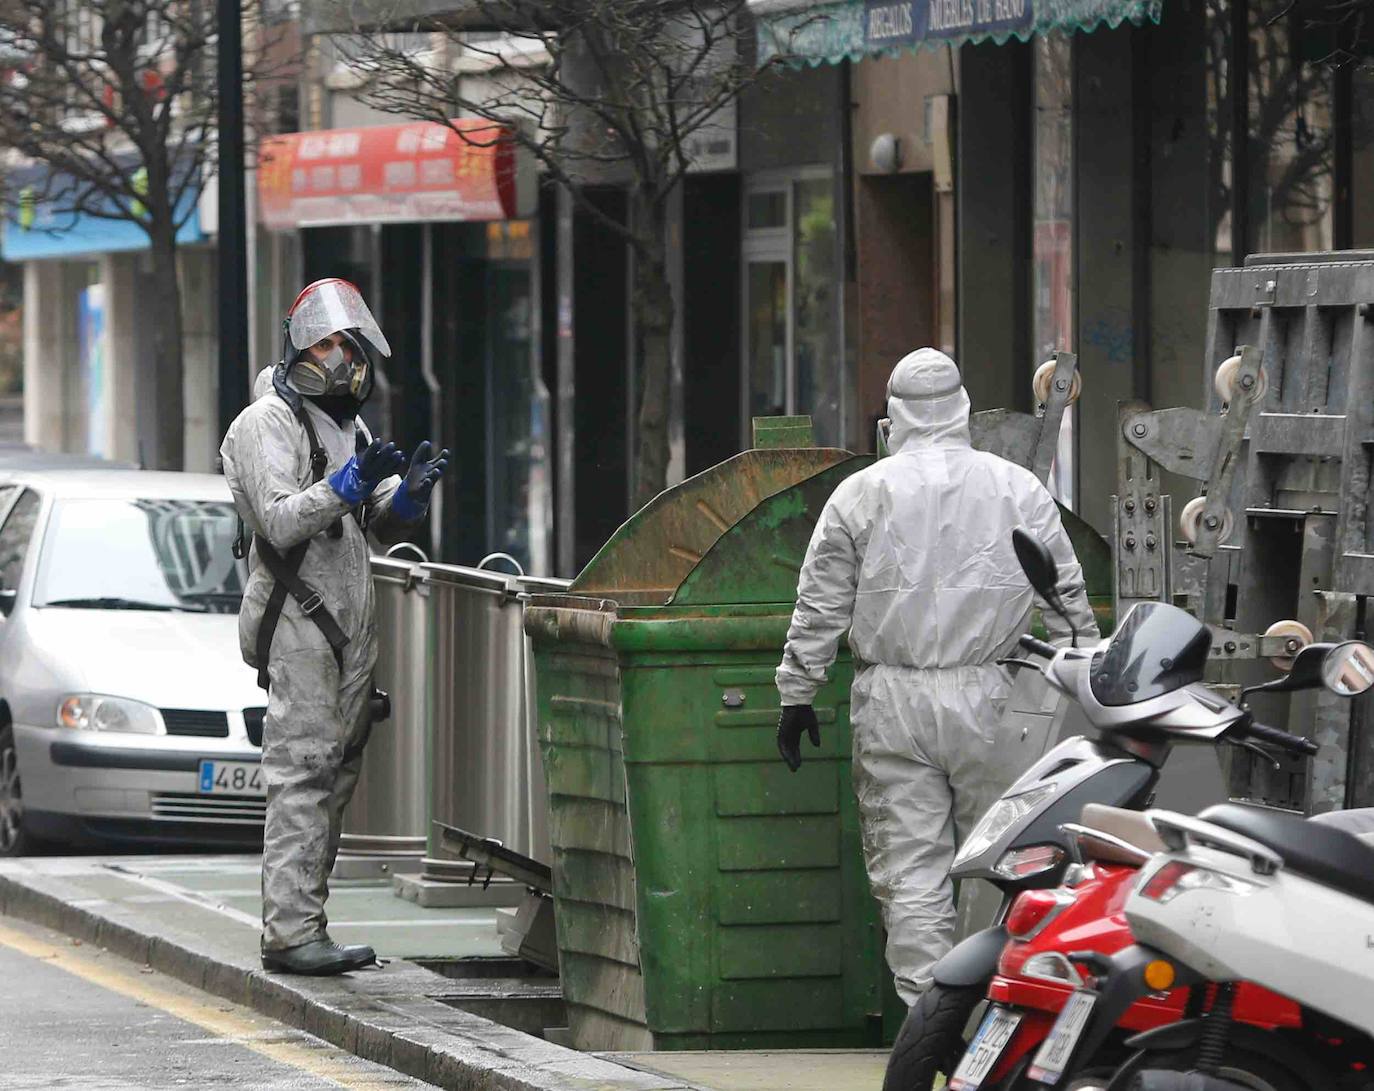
324, 309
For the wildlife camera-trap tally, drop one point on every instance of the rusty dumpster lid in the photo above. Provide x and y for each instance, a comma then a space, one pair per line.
657, 547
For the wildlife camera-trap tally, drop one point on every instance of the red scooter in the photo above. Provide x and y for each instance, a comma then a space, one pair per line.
1049, 934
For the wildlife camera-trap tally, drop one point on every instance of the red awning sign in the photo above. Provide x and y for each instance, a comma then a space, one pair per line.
389, 174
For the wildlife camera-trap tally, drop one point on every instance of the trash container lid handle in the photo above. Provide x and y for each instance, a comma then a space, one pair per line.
519, 568
424, 557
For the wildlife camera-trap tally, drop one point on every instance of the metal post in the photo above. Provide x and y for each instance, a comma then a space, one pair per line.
233, 234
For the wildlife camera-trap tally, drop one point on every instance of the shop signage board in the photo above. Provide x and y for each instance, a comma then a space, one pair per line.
803, 32
411, 173
907, 22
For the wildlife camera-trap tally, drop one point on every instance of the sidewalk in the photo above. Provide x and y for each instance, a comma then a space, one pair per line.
196, 919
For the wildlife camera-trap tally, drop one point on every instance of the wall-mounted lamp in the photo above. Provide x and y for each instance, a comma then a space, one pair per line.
885, 153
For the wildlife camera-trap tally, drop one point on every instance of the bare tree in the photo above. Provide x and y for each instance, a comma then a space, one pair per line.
117, 100
598, 92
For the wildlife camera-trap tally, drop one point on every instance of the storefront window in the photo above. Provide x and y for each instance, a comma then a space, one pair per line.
1291, 142
791, 294
1053, 229
519, 503
767, 290
817, 321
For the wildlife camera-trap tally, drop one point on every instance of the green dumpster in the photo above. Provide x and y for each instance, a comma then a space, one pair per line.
706, 897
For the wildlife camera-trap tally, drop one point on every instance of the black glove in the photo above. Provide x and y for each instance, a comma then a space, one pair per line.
378, 461
794, 720
412, 498
424, 472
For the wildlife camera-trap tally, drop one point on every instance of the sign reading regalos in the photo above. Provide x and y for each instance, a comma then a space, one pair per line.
901, 23
389, 174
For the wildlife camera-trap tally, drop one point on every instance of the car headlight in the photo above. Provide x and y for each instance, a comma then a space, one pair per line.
90, 712
1000, 817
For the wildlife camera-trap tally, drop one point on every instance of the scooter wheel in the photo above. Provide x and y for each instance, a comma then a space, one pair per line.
931, 1040
1249, 1069
1225, 381
1190, 521
1299, 636
1044, 376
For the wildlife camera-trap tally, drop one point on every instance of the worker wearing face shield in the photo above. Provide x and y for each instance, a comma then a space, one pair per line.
312, 484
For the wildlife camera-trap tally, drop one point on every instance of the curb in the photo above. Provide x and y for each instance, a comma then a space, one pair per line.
413, 1032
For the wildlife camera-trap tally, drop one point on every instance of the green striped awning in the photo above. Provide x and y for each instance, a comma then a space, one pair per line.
829, 31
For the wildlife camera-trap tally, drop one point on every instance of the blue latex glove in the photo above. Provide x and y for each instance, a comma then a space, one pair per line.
412, 498
354, 481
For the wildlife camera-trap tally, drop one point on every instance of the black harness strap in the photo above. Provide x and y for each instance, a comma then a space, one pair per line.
286, 571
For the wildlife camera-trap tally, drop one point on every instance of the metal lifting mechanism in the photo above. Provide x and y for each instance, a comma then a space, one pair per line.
1281, 530
1027, 439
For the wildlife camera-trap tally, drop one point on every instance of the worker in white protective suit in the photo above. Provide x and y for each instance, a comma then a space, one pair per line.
310, 483
914, 557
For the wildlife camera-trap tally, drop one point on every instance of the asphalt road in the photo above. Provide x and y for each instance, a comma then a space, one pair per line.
73, 1016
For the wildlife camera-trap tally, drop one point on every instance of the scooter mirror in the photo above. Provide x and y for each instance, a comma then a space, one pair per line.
1038, 564
1348, 669
1308, 672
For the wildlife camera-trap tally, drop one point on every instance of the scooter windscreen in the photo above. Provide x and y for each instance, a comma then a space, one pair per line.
1157, 649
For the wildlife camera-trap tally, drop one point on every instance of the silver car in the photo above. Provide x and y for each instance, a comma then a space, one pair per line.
127, 713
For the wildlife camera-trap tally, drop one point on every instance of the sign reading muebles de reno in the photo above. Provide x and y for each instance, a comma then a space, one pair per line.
410, 173
889, 24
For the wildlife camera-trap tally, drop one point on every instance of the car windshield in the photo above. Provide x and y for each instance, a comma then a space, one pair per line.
141, 555
1157, 649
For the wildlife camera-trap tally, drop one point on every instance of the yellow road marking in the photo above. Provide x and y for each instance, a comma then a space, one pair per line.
233, 1024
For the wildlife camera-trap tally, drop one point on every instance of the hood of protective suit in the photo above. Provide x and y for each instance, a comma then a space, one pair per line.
262, 385
926, 402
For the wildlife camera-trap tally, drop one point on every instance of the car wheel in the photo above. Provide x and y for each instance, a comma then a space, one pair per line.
14, 839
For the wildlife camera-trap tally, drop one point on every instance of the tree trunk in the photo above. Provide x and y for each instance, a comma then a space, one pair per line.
164, 312
652, 304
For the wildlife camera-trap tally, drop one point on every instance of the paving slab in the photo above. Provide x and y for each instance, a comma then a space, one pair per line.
767, 1070
196, 918
395, 1015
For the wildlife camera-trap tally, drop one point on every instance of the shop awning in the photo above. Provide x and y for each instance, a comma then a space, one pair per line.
412, 173
41, 225
828, 31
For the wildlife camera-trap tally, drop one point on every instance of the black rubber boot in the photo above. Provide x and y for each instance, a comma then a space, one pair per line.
319, 958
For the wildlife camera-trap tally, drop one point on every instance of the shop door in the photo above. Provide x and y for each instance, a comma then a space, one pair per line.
792, 360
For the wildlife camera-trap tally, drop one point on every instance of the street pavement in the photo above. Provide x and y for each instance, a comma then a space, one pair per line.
74, 1016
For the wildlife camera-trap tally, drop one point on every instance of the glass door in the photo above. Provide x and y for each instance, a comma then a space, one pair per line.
791, 334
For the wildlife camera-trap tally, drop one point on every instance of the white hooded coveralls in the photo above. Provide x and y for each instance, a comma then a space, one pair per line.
915, 553
314, 710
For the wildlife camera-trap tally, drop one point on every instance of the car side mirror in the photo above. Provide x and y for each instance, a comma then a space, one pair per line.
1348, 669
7, 600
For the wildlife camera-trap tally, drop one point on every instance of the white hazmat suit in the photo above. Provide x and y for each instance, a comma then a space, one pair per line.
315, 710
913, 556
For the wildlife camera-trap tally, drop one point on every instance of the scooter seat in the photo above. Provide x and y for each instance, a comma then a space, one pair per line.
1323, 853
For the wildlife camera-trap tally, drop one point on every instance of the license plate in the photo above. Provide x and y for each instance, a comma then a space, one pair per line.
231, 778
985, 1049
1052, 1061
